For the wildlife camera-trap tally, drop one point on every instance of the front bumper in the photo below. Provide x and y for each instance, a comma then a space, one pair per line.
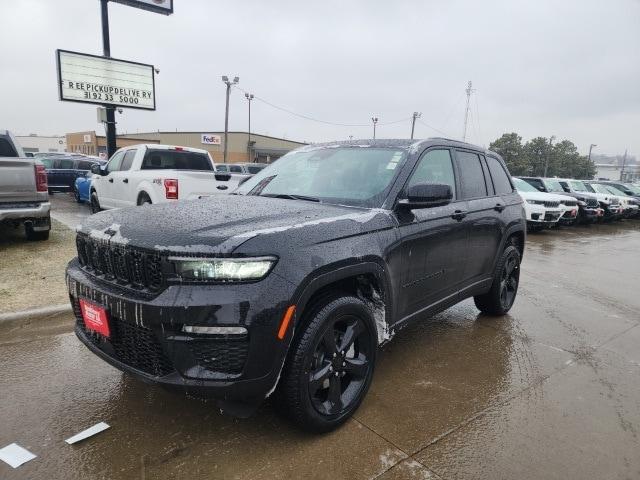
24, 211
147, 339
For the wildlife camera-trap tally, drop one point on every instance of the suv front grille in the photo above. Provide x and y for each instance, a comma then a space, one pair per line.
551, 204
220, 355
570, 203
134, 345
121, 264
592, 202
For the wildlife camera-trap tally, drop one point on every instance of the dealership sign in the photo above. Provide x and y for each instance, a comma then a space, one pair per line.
105, 81
159, 6
207, 139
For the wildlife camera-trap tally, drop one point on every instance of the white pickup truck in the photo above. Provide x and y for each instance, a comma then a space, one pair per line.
150, 173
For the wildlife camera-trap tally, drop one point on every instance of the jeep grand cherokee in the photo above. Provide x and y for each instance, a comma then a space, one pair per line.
291, 284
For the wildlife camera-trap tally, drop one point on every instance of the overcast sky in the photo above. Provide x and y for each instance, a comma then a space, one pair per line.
565, 68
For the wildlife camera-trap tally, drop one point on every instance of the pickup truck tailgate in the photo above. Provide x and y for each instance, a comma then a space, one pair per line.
18, 180
194, 184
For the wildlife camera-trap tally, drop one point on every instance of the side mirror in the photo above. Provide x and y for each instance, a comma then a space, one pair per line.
426, 195
222, 177
95, 169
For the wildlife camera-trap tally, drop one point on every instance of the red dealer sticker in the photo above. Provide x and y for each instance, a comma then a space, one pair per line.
95, 317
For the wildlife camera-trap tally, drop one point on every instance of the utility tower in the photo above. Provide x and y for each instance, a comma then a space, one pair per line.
469, 90
624, 163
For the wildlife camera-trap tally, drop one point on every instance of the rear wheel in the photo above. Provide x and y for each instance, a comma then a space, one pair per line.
144, 199
504, 288
95, 203
37, 235
330, 365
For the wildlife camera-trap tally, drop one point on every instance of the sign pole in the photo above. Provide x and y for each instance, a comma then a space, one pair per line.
110, 124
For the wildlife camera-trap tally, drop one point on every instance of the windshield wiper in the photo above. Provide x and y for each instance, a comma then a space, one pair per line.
289, 196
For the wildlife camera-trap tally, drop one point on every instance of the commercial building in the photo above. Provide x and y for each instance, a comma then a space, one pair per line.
242, 146
42, 143
89, 143
608, 171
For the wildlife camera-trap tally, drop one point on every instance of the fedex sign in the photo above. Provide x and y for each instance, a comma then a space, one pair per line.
207, 139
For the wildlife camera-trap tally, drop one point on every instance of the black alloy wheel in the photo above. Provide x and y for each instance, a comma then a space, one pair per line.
330, 363
340, 365
509, 282
500, 298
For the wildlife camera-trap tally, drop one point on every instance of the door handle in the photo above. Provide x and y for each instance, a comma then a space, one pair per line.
499, 207
111, 180
125, 180
459, 214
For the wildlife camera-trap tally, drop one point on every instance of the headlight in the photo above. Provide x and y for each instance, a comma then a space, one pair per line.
222, 269
535, 202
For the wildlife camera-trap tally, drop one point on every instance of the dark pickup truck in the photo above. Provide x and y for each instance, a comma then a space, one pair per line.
23, 190
62, 171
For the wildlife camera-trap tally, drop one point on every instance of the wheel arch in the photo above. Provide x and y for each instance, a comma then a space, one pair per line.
366, 280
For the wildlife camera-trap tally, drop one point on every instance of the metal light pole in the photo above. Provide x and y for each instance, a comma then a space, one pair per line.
249, 97
546, 163
110, 124
416, 115
228, 83
374, 120
591, 148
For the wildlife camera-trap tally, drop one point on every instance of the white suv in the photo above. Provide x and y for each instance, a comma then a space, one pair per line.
543, 210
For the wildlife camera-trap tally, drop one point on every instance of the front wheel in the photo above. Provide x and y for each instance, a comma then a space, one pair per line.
95, 203
504, 288
330, 365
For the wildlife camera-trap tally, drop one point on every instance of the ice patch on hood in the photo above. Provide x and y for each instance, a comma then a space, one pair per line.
356, 217
206, 249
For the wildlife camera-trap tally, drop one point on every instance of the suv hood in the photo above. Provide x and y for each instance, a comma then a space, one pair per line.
545, 197
218, 225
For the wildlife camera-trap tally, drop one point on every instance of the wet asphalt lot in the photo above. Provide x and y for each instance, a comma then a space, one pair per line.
550, 391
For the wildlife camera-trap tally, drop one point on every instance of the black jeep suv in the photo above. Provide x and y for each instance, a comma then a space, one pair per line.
291, 283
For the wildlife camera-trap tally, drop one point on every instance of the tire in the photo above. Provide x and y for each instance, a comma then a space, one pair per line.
36, 236
338, 345
500, 298
94, 202
143, 199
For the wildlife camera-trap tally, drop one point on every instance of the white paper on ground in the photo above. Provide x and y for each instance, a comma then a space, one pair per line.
15, 455
97, 428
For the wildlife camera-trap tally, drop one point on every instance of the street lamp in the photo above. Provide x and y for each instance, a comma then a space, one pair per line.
374, 120
546, 163
591, 148
228, 83
249, 97
416, 115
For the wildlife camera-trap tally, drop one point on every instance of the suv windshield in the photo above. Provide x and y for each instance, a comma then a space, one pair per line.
615, 191
600, 188
553, 185
578, 186
523, 186
175, 160
354, 176
632, 188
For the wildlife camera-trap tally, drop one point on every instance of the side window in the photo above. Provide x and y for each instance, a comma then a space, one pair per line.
235, 168
472, 182
47, 162
499, 176
114, 163
84, 165
435, 166
65, 163
128, 160
221, 168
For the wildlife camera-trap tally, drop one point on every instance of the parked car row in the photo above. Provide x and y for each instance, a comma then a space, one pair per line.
553, 201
